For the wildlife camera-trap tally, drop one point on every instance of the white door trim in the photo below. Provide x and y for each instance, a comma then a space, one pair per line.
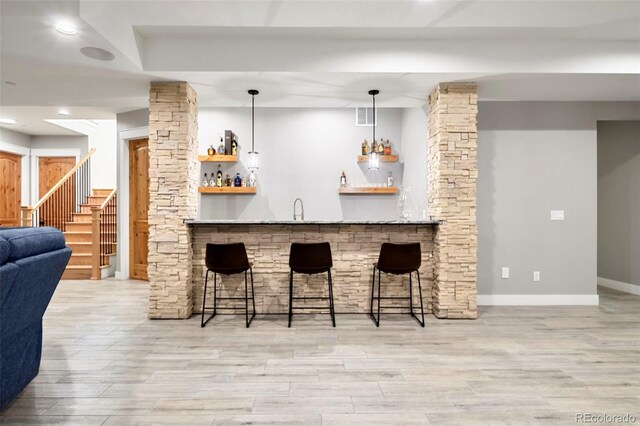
124, 136
25, 198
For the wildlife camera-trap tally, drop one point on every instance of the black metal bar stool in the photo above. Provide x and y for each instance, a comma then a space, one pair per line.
312, 258
397, 259
227, 259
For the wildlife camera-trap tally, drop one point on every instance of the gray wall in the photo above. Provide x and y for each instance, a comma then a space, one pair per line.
15, 138
61, 142
414, 146
302, 153
133, 119
619, 201
534, 157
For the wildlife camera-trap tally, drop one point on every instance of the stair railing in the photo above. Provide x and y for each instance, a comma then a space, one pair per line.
57, 206
103, 233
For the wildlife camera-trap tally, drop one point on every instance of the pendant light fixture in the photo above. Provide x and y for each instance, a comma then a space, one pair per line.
374, 158
253, 155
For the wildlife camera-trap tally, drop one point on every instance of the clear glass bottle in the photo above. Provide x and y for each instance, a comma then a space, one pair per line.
381, 147
390, 180
221, 150
212, 180
211, 151
252, 179
343, 180
205, 181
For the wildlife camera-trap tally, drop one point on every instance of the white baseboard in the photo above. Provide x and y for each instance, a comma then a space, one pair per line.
619, 285
537, 299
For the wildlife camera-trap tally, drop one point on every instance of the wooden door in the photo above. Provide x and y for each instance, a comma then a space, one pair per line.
58, 209
10, 189
138, 208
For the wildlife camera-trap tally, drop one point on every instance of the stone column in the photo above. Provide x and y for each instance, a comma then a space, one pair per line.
453, 172
173, 197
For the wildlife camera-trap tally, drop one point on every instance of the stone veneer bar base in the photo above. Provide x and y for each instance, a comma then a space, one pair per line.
453, 171
355, 249
173, 197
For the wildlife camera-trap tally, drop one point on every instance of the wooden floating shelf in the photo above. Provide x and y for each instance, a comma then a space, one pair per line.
218, 158
227, 190
381, 158
390, 190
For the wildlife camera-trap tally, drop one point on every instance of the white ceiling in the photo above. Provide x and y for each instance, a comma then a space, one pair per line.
308, 53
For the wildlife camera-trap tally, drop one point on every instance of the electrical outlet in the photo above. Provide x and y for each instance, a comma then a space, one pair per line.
536, 276
505, 272
557, 214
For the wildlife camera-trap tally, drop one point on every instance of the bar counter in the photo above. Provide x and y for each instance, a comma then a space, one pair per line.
355, 246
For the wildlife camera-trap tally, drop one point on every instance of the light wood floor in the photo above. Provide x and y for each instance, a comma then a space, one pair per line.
105, 363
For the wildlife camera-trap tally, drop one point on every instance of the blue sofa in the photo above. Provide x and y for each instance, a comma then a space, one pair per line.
32, 261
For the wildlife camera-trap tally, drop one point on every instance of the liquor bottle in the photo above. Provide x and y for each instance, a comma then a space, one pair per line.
387, 148
252, 179
237, 181
219, 177
205, 181
343, 180
390, 180
227, 181
374, 146
221, 150
212, 180
234, 147
211, 151
365, 147
381, 147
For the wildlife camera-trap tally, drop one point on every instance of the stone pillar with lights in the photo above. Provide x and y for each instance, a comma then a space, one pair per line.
453, 171
173, 197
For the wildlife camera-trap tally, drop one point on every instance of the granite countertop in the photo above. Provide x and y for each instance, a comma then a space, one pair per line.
310, 222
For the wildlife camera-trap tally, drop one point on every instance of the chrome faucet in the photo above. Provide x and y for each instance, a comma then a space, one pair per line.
295, 217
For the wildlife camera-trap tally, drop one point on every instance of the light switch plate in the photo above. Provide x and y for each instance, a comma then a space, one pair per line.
557, 214
505, 272
536, 276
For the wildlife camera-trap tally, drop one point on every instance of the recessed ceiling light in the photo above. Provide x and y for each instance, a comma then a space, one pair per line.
97, 54
63, 111
7, 121
66, 29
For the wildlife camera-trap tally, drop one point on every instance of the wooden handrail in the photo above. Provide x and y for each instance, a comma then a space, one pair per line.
96, 234
106, 200
64, 178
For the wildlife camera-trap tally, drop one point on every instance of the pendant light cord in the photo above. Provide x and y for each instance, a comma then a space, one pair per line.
253, 97
374, 118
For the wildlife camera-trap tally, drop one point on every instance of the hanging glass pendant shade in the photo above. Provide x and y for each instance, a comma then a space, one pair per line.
253, 154
374, 158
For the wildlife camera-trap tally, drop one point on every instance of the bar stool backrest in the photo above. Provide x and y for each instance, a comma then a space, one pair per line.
227, 258
399, 258
310, 258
